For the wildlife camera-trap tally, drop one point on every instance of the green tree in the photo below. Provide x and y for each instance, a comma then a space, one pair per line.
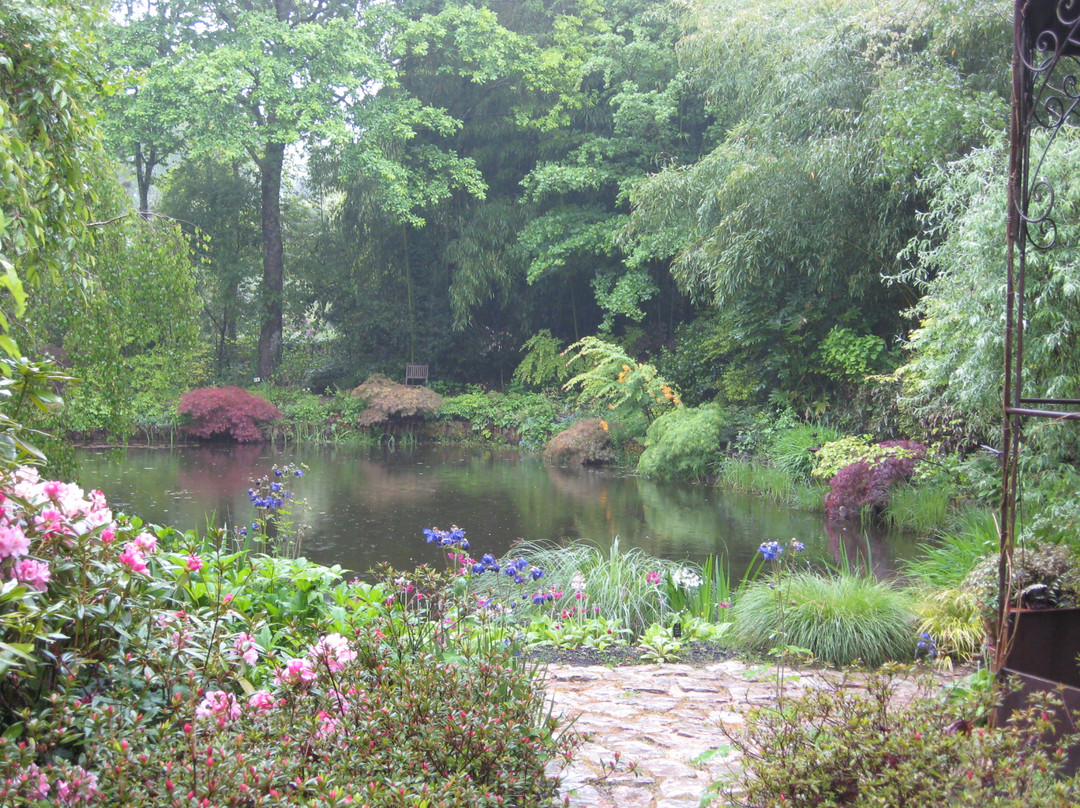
829, 112
257, 78
49, 142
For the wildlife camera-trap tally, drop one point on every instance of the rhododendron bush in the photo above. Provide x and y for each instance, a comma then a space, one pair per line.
141, 666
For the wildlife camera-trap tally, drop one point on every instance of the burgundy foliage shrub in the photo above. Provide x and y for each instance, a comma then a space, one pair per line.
867, 482
226, 411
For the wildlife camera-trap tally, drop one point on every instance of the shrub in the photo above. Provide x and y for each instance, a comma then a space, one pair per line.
389, 401
878, 746
838, 618
226, 411
868, 483
1043, 576
587, 442
685, 443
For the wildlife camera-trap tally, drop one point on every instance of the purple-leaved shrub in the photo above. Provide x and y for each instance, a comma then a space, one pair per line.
867, 482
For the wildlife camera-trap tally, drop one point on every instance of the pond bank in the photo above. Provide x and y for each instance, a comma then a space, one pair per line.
667, 725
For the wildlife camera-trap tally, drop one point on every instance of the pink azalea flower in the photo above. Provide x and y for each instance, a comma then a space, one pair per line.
295, 673
334, 650
108, 535
218, 705
13, 542
261, 700
35, 574
194, 563
132, 558
245, 648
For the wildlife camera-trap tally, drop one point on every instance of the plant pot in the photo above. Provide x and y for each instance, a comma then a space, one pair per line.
1043, 657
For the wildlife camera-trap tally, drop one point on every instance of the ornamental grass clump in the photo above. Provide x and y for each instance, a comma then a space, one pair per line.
839, 618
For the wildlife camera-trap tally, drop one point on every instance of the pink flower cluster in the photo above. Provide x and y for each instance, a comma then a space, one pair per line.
245, 648
33, 510
134, 553
332, 650
218, 705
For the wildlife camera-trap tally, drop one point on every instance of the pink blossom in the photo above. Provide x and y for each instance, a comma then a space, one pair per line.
132, 558
108, 535
40, 789
13, 542
193, 563
653, 577
219, 705
146, 542
295, 673
53, 489
245, 648
82, 788
334, 650
261, 700
35, 574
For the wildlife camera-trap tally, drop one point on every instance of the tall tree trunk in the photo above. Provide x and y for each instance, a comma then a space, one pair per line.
144, 174
273, 259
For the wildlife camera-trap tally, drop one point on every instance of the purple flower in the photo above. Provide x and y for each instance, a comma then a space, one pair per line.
536, 573
771, 550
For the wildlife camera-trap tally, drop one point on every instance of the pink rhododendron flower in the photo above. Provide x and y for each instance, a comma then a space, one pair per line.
218, 705
13, 542
193, 563
82, 788
132, 558
146, 542
245, 648
108, 535
35, 574
295, 673
334, 650
261, 700
53, 489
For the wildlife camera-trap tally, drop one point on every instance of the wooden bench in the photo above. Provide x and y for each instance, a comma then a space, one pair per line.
416, 373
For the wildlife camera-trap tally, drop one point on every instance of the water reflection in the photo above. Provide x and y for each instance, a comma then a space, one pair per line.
364, 507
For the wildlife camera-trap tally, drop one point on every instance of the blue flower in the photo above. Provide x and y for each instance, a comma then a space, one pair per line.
277, 472
536, 573
243, 531
275, 486
432, 534
927, 646
456, 534
464, 544
538, 599
521, 564
797, 546
488, 560
254, 525
299, 473
517, 578
771, 550
479, 569
510, 571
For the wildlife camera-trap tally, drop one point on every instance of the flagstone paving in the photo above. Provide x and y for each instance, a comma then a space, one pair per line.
662, 726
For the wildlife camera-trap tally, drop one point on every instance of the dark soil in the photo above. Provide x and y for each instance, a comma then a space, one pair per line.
695, 653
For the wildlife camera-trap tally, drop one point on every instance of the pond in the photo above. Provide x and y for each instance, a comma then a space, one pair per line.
365, 506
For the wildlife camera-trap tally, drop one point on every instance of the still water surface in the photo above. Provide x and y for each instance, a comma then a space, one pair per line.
366, 506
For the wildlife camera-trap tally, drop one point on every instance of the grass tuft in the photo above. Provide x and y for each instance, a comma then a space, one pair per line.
839, 618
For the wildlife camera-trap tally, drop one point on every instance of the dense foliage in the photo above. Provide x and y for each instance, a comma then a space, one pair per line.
226, 412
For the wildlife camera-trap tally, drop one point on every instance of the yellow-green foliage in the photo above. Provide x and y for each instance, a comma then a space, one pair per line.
617, 381
953, 620
684, 443
837, 454
543, 365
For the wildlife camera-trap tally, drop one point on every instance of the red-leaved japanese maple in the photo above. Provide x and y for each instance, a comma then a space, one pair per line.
218, 412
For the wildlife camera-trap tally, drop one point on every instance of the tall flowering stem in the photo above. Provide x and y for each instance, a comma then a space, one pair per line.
772, 553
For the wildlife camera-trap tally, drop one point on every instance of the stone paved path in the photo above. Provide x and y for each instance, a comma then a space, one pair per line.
666, 720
